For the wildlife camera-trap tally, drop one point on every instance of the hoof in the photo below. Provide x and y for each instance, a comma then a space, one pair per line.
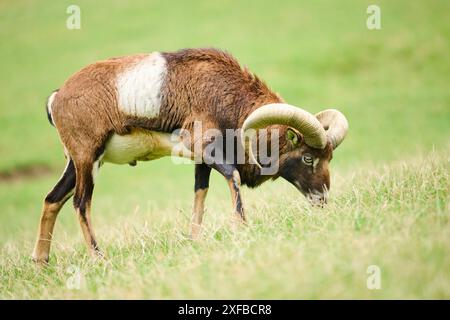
39, 261
196, 231
238, 221
98, 254
194, 237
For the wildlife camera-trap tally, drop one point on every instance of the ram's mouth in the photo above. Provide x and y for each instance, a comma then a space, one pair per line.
315, 198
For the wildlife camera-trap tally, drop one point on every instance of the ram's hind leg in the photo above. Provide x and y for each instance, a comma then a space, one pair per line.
83, 197
53, 203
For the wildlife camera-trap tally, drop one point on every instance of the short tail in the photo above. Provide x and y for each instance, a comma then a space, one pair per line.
48, 107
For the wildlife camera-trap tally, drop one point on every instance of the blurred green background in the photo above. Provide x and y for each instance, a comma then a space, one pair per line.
392, 84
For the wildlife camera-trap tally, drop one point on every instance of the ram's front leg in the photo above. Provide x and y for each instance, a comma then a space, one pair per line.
234, 183
202, 173
233, 178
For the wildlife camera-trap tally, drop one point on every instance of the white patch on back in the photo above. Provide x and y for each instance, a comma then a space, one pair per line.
139, 87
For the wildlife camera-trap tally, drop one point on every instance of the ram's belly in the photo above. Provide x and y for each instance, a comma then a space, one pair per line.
139, 145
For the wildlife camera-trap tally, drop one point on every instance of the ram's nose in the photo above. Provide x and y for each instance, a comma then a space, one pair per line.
317, 199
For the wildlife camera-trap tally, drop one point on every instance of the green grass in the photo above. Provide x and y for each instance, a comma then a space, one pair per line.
389, 198
395, 217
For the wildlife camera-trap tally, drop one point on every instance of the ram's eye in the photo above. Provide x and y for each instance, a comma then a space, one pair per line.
307, 159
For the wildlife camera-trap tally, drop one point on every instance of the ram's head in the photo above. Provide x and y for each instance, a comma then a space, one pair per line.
306, 144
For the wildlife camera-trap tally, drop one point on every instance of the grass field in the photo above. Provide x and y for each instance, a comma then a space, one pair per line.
389, 202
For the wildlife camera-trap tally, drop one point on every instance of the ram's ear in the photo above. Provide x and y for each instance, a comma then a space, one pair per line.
293, 137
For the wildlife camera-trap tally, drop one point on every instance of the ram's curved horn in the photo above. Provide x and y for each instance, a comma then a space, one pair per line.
335, 125
285, 114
